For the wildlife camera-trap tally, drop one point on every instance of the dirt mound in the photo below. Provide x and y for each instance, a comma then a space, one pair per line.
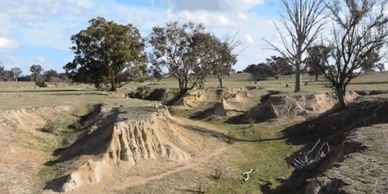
123, 137
140, 93
23, 146
146, 93
231, 102
193, 99
277, 106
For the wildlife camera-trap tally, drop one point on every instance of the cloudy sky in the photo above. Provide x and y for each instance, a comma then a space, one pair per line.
38, 31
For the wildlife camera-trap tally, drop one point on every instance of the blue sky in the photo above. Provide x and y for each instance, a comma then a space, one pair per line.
38, 31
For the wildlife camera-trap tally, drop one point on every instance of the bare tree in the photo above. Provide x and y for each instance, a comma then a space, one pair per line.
360, 30
303, 21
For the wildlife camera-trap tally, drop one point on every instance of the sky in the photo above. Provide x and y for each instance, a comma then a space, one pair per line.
39, 31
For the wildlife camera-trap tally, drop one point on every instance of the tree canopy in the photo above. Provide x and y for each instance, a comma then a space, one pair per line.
103, 51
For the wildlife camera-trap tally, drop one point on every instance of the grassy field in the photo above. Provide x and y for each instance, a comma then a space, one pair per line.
370, 81
266, 157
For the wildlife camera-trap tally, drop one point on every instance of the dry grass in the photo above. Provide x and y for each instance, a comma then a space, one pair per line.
370, 81
268, 158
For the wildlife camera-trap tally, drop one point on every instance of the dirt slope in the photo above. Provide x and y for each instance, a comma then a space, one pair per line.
277, 106
24, 148
364, 171
123, 139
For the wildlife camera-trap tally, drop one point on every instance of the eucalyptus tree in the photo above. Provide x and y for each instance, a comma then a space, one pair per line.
104, 50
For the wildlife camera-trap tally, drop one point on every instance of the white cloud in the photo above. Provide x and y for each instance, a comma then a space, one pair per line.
212, 5
7, 43
50, 23
40, 59
249, 39
243, 5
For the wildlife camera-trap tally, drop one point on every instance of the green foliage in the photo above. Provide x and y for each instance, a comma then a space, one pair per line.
317, 56
103, 51
41, 84
274, 67
261, 71
189, 54
35, 72
280, 66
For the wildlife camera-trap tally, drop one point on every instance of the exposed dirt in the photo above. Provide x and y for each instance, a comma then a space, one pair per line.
278, 106
129, 144
352, 148
364, 168
121, 149
24, 148
224, 104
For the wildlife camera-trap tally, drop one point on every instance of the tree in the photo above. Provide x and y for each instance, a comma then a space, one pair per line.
16, 71
261, 71
103, 51
51, 76
224, 60
370, 61
173, 48
303, 22
2, 73
380, 67
360, 29
279, 66
317, 55
35, 72
212, 56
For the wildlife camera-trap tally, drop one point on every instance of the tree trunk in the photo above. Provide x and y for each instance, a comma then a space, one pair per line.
113, 85
316, 77
341, 96
220, 81
182, 86
298, 78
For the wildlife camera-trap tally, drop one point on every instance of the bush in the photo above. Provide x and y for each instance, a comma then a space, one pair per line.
41, 84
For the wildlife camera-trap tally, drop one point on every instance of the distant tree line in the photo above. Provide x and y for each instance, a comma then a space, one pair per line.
10, 75
274, 67
37, 74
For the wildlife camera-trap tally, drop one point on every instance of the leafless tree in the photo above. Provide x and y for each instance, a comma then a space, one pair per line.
360, 30
303, 22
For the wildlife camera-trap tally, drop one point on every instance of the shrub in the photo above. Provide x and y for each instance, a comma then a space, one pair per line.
41, 84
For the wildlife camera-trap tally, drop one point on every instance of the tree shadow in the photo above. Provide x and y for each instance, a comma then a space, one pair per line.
368, 83
56, 184
90, 141
225, 137
332, 127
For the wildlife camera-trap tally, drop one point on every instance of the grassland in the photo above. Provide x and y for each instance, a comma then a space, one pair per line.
266, 157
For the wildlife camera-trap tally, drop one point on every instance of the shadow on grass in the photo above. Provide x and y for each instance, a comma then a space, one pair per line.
225, 137
56, 184
89, 142
369, 83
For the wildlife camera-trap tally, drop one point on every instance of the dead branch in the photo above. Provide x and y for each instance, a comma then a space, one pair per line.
245, 175
304, 159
